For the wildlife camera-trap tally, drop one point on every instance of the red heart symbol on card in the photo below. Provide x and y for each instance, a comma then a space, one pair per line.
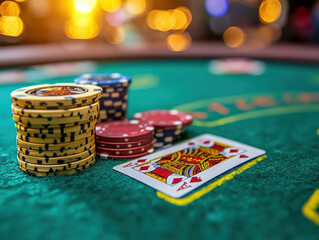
243, 156
195, 179
191, 143
233, 151
141, 160
207, 142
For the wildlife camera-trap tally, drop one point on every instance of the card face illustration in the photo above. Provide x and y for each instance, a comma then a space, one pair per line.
184, 167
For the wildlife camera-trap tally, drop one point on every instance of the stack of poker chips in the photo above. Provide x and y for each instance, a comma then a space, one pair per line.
124, 139
169, 125
55, 127
113, 103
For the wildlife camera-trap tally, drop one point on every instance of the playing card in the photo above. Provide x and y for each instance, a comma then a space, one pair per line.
182, 168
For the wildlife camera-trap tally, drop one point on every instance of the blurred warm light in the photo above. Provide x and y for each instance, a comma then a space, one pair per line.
135, 6
81, 19
164, 21
8, 8
265, 35
11, 26
270, 11
84, 6
173, 19
180, 19
81, 32
20, 0
115, 36
187, 13
110, 5
179, 41
81, 26
216, 8
116, 18
234, 37
39, 9
150, 19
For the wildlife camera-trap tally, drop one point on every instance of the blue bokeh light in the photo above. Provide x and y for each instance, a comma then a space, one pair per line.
216, 8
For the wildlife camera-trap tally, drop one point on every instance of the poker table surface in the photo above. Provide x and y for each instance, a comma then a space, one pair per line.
272, 197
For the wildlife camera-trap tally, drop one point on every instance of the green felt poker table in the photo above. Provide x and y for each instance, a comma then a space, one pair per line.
272, 197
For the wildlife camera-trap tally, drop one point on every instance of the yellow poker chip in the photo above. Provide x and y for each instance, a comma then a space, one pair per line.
54, 135
31, 107
72, 112
61, 125
51, 147
67, 172
56, 167
56, 95
56, 160
56, 153
63, 129
52, 120
55, 140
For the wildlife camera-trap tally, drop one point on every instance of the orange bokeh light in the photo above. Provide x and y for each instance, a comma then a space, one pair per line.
234, 37
11, 26
136, 7
8, 8
173, 19
270, 11
111, 5
178, 42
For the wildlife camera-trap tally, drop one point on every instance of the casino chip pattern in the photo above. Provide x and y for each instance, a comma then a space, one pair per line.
124, 139
169, 125
55, 127
56, 96
113, 103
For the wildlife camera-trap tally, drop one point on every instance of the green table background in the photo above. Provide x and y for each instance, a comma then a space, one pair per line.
264, 201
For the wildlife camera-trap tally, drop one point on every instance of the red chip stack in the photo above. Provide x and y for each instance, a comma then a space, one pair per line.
169, 125
124, 139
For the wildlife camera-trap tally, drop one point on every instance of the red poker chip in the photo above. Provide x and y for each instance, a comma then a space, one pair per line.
123, 131
170, 119
102, 155
115, 145
124, 151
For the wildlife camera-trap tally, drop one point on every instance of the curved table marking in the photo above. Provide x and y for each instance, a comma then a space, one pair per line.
197, 194
260, 113
309, 208
270, 111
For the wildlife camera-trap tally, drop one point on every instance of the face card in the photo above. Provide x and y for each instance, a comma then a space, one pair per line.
178, 170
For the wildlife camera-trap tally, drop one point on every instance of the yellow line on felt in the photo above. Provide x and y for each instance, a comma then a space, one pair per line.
309, 208
186, 200
144, 81
225, 100
235, 118
259, 113
318, 131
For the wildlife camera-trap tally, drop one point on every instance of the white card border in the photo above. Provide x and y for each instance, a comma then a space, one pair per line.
206, 176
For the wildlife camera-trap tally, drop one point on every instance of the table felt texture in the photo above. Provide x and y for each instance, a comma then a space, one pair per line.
264, 201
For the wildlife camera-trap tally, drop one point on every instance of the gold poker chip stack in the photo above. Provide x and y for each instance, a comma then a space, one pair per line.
55, 127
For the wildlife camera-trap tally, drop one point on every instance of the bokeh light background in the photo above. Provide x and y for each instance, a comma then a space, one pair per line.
177, 24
